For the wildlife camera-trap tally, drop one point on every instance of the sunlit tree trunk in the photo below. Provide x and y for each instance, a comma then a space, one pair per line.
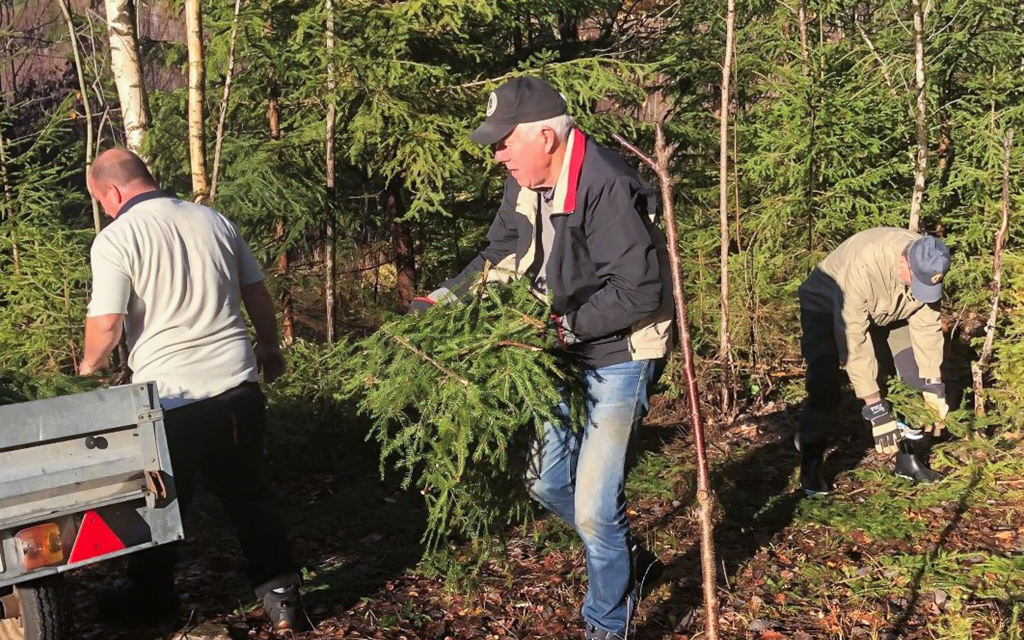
724, 347
126, 67
196, 89
920, 121
330, 265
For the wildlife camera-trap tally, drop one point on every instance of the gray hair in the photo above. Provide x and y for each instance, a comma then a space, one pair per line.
560, 124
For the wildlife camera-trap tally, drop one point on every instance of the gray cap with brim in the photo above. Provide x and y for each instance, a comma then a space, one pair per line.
929, 261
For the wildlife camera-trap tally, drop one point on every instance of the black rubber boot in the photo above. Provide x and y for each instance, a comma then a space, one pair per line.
912, 467
647, 568
283, 608
812, 458
282, 604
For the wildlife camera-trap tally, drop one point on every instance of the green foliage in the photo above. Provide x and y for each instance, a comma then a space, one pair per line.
43, 256
457, 396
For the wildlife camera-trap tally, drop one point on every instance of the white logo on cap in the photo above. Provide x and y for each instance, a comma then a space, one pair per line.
492, 104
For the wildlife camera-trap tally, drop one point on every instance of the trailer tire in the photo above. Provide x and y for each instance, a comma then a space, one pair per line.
45, 611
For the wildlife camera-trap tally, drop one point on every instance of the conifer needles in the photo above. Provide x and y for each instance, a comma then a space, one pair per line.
457, 396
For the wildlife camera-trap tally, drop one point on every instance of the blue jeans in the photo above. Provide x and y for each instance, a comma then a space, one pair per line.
581, 475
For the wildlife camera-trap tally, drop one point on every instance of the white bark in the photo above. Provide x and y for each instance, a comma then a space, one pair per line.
126, 65
921, 122
196, 89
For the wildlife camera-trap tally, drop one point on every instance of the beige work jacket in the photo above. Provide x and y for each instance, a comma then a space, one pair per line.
858, 284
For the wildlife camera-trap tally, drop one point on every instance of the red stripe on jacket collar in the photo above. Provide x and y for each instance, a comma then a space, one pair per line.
569, 180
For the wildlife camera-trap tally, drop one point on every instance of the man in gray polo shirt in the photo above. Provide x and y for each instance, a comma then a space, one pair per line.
174, 276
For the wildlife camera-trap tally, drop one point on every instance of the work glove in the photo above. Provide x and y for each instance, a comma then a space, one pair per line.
419, 306
884, 427
935, 399
563, 327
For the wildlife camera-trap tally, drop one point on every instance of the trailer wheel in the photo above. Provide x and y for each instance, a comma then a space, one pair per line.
44, 614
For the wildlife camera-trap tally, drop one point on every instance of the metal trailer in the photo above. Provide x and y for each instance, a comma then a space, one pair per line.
83, 478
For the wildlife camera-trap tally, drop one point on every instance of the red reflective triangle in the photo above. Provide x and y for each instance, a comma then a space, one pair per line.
94, 538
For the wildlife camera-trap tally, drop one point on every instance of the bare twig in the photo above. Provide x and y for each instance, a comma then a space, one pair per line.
978, 368
228, 75
83, 89
705, 497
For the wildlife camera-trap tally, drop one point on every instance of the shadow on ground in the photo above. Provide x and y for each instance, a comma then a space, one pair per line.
757, 495
350, 531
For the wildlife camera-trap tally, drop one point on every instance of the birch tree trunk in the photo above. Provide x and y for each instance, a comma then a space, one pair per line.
229, 74
921, 122
126, 66
84, 90
196, 89
978, 368
330, 264
724, 348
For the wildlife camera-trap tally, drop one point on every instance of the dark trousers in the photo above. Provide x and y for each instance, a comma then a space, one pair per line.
823, 380
222, 439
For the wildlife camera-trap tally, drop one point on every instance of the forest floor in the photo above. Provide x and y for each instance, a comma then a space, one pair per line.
880, 558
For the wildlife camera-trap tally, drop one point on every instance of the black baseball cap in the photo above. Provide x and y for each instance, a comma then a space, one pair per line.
522, 99
929, 262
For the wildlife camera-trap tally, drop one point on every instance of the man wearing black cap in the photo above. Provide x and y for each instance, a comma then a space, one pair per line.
879, 284
579, 222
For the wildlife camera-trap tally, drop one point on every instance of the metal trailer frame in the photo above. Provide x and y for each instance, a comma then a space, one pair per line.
101, 452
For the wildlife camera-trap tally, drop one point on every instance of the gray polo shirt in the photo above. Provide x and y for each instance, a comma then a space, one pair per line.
175, 269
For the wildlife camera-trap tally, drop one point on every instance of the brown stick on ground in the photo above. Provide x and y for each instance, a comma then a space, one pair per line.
978, 368
705, 498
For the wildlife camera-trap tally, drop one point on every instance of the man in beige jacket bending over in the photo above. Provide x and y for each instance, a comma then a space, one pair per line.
882, 283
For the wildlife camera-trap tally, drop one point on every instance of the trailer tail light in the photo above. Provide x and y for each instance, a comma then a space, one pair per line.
40, 545
95, 538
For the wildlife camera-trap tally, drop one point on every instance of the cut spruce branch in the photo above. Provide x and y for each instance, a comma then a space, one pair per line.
705, 498
457, 396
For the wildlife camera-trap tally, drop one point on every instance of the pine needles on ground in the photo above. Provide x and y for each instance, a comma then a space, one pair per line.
457, 395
